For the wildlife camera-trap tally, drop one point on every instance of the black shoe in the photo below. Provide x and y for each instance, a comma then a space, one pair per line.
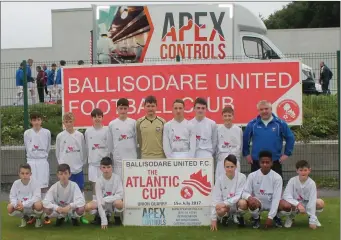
97, 220
60, 222
256, 223
75, 222
118, 221
225, 221
278, 222
241, 222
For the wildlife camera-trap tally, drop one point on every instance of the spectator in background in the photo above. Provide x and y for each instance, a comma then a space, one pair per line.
41, 82
80, 62
105, 46
325, 76
267, 132
51, 81
59, 79
19, 82
30, 80
47, 74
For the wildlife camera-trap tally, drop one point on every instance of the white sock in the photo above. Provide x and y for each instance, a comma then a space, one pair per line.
75, 214
16, 214
255, 214
284, 213
318, 211
38, 213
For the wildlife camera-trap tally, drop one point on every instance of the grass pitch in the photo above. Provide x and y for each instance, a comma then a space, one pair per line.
330, 230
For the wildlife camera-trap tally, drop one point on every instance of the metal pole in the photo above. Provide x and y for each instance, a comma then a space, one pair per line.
26, 124
339, 100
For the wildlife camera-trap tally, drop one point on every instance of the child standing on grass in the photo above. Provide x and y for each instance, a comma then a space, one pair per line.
71, 150
96, 146
64, 198
300, 196
25, 198
37, 142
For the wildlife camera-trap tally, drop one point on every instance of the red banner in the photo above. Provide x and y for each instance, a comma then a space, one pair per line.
241, 85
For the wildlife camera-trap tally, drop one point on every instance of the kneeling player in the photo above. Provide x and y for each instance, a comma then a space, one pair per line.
109, 196
266, 187
227, 194
300, 195
25, 198
64, 198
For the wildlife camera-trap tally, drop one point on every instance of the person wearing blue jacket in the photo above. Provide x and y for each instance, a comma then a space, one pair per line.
30, 80
267, 132
59, 79
51, 81
19, 82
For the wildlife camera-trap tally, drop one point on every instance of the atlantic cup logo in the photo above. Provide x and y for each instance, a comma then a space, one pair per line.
71, 149
288, 110
197, 181
264, 193
179, 139
97, 146
36, 148
124, 137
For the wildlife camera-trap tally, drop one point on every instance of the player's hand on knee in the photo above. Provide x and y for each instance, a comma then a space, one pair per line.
312, 226
214, 225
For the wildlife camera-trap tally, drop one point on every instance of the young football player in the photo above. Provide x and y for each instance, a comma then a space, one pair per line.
25, 198
37, 142
179, 134
263, 191
71, 149
109, 196
96, 146
64, 198
227, 194
122, 136
230, 140
300, 196
205, 130
149, 131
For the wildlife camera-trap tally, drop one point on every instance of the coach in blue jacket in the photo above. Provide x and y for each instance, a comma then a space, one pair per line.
266, 132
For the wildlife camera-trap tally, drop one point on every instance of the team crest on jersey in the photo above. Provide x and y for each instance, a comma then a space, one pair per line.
158, 129
273, 129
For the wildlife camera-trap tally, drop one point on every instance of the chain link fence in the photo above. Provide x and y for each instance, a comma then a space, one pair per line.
316, 141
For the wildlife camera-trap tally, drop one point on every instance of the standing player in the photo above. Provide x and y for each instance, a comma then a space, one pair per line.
19, 82
37, 142
227, 194
25, 198
263, 191
96, 145
300, 195
70, 149
205, 129
122, 136
149, 131
51, 81
59, 79
109, 195
64, 198
179, 135
230, 140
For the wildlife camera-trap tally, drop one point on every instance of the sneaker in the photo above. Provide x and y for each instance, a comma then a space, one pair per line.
47, 220
278, 222
256, 223
59, 222
288, 222
235, 219
23, 222
84, 220
97, 220
31, 220
118, 221
318, 224
75, 222
38, 223
241, 222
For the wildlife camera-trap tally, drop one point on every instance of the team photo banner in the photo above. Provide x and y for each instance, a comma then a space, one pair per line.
168, 183
241, 85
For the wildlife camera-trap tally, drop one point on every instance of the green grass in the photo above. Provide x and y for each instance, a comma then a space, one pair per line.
330, 220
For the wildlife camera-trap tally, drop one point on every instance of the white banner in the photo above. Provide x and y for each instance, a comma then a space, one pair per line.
180, 216
168, 183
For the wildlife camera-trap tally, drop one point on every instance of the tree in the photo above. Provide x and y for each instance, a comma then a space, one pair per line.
305, 14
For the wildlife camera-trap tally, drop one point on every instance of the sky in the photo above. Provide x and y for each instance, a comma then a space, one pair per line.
28, 24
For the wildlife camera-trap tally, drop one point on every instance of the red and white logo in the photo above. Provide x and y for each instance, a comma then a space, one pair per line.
199, 182
186, 192
288, 110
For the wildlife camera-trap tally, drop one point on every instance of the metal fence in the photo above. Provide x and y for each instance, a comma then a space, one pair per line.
317, 139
